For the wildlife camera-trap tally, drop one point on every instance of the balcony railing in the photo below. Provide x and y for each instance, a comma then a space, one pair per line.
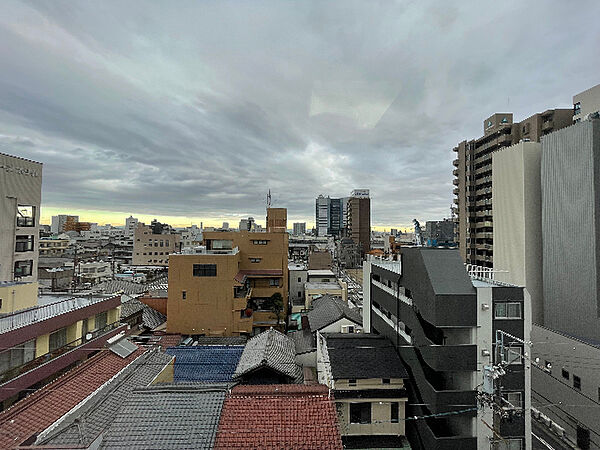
14, 372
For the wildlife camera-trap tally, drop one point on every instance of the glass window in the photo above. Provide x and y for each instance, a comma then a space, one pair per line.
25, 216
508, 444
395, 412
205, 270
513, 399
576, 382
58, 339
254, 260
507, 310
385, 381
360, 412
352, 382
23, 268
101, 320
513, 354
221, 244
565, 373
576, 108
24, 244
183, 295
274, 282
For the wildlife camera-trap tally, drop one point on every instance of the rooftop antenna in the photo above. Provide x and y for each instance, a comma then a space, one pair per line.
269, 199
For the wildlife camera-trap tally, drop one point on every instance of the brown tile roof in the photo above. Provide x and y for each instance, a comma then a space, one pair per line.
278, 416
41, 409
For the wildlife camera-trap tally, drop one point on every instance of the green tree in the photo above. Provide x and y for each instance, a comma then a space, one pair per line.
276, 305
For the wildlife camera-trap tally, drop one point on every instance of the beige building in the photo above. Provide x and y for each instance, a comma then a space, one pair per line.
586, 102
319, 283
153, 249
53, 247
225, 287
517, 209
16, 295
473, 183
20, 198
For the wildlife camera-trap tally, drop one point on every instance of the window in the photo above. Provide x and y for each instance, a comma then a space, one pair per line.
1, 308
577, 108
507, 310
508, 444
261, 242
565, 374
273, 281
25, 216
352, 382
360, 412
58, 339
576, 382
299, 295
385, 381
513, 400
299, 280
24, 244
23, 268
221, 244
101, 320
254, 260
598, 388
205, 270
162, 244
17, 356
394, 412
513, 355
183, 295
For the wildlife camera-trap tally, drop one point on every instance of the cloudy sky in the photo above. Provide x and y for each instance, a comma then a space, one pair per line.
191, 111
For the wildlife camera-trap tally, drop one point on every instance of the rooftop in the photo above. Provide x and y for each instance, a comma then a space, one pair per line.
205, 363
322, 285
328, 309
279, 416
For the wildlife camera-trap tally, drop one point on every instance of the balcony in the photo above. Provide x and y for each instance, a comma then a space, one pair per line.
455, 172
455, 163
455, 182
547, 125
19, 378
455, 191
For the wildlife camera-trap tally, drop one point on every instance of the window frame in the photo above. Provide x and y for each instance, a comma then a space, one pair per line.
506, 316
364, 417
29, 242
204, 270
576, 382
26, 221
395, 408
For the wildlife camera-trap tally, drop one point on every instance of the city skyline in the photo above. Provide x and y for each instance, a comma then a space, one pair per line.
151, 117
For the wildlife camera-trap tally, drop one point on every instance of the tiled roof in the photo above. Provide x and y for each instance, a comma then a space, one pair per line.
86, 423
151, 318
167, 416
270, 349
206, 364
221, 340
304, 341
42, 408
328, 310
356, 356
131, 307
114, 286
279, 416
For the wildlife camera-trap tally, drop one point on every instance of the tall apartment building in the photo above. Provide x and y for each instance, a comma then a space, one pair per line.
328, 216
58, 222
130, 226
299, 228
151, 249
359, 219
444, 325
586, 102
570, 184
473, 172
226, 287
20, 198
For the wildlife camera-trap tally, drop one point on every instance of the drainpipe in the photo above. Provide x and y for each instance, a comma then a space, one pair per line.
397, 312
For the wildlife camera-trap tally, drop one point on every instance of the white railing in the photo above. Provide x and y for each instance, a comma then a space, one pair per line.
392, 292
392, 324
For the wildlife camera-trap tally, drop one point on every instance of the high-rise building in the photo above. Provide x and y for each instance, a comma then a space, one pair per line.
329, 217
445, 324
299, 228
586, 102
570, 229
473, 172
359, 219
59, 222
21, 194
130, 226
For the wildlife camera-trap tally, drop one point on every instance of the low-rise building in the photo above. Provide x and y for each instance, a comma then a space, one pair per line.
367, 378
298, 276
93, 272
150, 249
53, 246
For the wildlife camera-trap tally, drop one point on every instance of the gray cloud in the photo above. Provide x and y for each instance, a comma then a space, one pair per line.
197, 110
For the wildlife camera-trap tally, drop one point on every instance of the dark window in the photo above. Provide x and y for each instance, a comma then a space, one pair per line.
254, 260
385, 381
1, 308
565, 374
101, 320
205, 270
507, 310
183, 295
576, 108
299, 279
24, 244
274, 282
23, 268
25, 216
360, 412
58, 339
299, 294
395, 412
598, 388
583, 438
352, 382
576, 382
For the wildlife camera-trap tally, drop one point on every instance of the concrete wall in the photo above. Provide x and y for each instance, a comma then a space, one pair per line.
336, 327
590, 101
18, 296
570, 214
517, 211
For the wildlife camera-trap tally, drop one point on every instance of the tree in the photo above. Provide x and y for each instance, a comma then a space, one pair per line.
276, 304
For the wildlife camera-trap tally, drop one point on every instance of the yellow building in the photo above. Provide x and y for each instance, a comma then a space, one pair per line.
225, 287
16, 295
53, 247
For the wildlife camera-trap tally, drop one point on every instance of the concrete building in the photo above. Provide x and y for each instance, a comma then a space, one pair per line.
225, 226
323, 282
298, 276
53, 246
570, 230
225, 289
20, 198
586, 102
72, 223
328, 216
517, 209
367, 378
438, 232
299, 228
359, 219
247, 224
473, 172
444, 326
151, 249
131, 224
58, 222
93, 272
191, 237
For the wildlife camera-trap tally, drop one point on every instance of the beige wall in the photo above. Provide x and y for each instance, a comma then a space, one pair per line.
516, 191
590, 101
146, 244
18, 296
20, 184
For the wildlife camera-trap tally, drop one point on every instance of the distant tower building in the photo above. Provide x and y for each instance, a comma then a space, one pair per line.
299, 228
130, 225
247, 224
59, 222
329, 216
225, 225
359, 219
393, 231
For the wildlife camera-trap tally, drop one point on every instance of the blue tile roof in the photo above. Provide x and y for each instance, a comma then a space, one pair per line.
205, 363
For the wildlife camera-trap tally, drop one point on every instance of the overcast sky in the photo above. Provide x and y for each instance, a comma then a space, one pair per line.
193, 110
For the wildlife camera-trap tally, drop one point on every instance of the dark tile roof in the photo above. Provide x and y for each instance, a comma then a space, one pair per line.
221, 340
130, 308
206, 364
279, 416
114, 286
270, 349
330, 309
304, 341
41, 409
363, 356
167, 416
151, 318
84, 425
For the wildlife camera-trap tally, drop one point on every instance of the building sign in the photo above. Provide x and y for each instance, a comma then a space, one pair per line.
360, 193
8, 168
